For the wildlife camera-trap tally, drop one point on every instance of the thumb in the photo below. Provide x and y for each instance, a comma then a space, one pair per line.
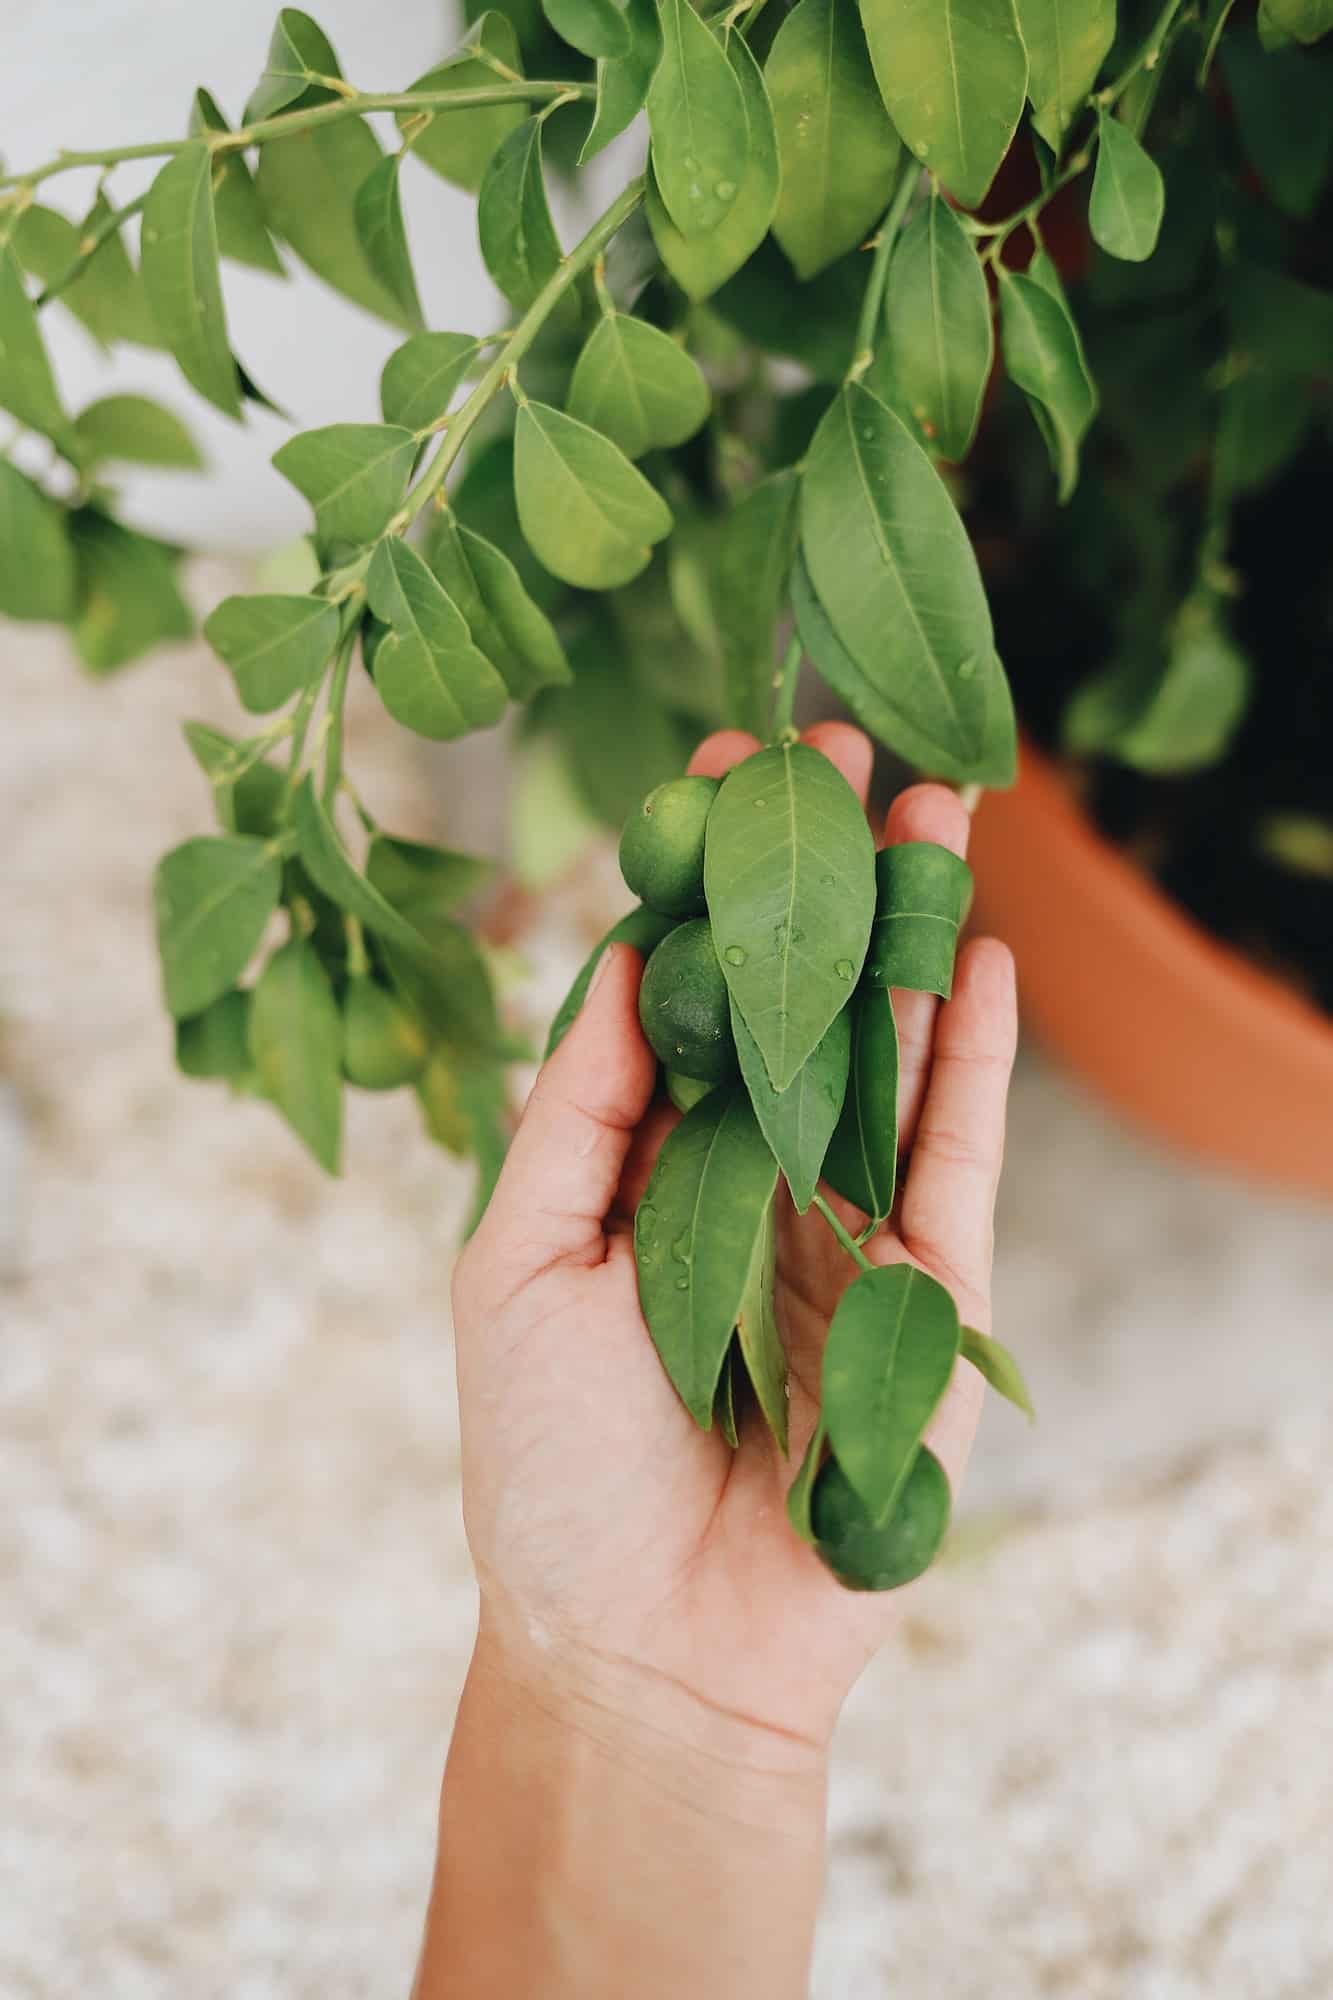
564, 1166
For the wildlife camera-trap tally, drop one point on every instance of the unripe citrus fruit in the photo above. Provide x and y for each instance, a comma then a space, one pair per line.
384, 1044
684, 1008
662, 847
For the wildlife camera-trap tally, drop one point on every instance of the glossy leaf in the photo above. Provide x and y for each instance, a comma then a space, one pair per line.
865, 1557
594, 27
378, 214
216, 1043
891, 1347
242, 233
353, 475
622, 81
307, 185
862, 1158
637, 386
724, 1400
274, 645
799, 1121
332, 870
789, 869
421, 377
998, 1366
1197, 704
1044, 357
37, 574
801, 1491
135, 431
297, 50
429, 674
1067, 42
179, 247
695, 1234
518, 239
27, 386
954, 75
1303, 20
506, 625
922, 894
937, 347
838, 151
1128, 193
757, 1333
458, 144
585, 511
295, 1035
248, 803
643, 928
617, 733
108, 296
212, 899
893, 570
697, 119
700, 264
423, 883
128, 596
752, 548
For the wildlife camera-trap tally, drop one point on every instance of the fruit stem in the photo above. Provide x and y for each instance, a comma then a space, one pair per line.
844, 1236
784, 688
872, 305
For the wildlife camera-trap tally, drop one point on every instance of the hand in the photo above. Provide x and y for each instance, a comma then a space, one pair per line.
615, 1543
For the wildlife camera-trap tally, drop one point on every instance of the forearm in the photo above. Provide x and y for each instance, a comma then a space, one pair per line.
590, 1849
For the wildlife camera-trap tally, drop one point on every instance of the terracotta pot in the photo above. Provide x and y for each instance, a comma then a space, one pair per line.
1170, 1026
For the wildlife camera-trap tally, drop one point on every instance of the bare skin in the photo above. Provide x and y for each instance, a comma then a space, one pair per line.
634, 1797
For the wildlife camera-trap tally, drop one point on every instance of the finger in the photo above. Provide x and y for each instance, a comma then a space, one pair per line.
948, 1204
718, 752
922, 812
660, 1118
564, 1166
849, 749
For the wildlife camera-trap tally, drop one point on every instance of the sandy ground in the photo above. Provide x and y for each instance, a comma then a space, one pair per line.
238, 1599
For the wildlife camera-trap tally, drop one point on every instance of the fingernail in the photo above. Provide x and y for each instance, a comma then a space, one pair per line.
598, 971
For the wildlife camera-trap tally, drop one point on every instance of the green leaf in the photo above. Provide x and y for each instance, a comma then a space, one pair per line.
108, 296
458, 144
789, 870
1279, 322
999, 1368
752, 548
429, 674
332, 870
273, 645
1198, 703
643, 928
27, 386
757, 1332
893, 570
1128, 193
1281, 106
242, 235
250, 803
423, 883
594, 27
1262, 423
216, 1043
307, 186
954, 75
1067, 42
182, 278
865, 1557
378, 215
353, 475
701, 263
620, 735
1303, 20
296, 1047
637, 386
801, 1491
697, 119
622, 82
724, 1401
585, 511
1044, 357
37, 574
506, 625
891, 1347
420, 377
837, 149
298, 50
922, 894
799, 1121
518, 240
212, 899
862, 1157
137, 432
129, 600
934, 359
694, 1239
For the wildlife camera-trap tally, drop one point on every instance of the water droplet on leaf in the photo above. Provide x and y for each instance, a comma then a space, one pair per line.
735, 954
967, 668
725, 190
844, 968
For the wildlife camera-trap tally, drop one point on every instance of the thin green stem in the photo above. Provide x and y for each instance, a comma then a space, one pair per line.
333, 747
1030, 210
301, 715
1210, 46
88, 249
520, 340
872, 305
784, 688
1147, 57
844, 1236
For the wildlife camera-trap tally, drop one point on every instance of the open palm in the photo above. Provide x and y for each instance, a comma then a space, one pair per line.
609, 1533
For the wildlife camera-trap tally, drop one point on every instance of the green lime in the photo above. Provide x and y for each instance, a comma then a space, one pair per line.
865, 1557
685, 1091
384, 1044
684, 1008
662, 847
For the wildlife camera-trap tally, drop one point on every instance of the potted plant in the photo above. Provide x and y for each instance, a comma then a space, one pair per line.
915, 343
